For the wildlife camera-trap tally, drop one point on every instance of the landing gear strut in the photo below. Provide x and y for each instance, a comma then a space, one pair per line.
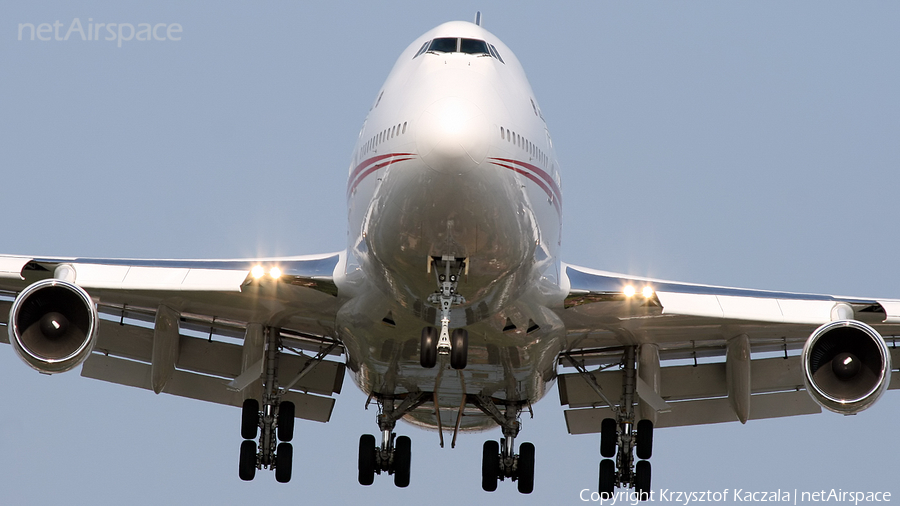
621, 434
393, 456
275, 419
499, 460
447, 270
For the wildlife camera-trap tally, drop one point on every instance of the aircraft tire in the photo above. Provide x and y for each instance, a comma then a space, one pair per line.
642, 478
286, 421
644, 439
402, 461
284, 461
366, 459
459, 348
428, 347
490, 465
608, 439
526, 468
249, 418
247, 467
607, 478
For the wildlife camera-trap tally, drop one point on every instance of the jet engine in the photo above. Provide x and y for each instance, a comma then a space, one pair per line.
846, 366
53, 325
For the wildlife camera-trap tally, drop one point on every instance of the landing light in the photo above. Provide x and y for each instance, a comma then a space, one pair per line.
275, 272
647, 292
629, 291
257, 272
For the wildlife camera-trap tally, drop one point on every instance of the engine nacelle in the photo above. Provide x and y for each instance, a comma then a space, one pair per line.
53, 325
846, 366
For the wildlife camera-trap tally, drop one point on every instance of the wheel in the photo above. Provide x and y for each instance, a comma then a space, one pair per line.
285, 426
402, 461
607, 478
490, 465
459, 348
644, 439
526, 468
247, 467
366, 459
608, 437
284, 460
428, 347
642, 480
249, 418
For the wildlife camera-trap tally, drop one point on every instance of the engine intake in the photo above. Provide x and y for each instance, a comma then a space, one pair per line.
846, 366
53, 325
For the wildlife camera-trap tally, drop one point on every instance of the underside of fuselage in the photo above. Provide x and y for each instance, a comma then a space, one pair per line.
511, 359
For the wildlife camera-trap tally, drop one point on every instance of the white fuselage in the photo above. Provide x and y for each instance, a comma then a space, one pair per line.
454, 159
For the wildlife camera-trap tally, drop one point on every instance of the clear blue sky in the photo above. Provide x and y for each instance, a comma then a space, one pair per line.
752, 144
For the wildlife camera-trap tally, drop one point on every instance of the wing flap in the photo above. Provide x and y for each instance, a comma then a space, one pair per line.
698, 394
688, 382
195, 386
213, 358
705, 411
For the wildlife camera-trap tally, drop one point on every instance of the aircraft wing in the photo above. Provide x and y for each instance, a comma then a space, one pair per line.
700, 333
211, 305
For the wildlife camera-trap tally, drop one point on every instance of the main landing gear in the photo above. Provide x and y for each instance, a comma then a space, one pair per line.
393, 456
271, 454
499, 460
447, 270
274, 420
621, 434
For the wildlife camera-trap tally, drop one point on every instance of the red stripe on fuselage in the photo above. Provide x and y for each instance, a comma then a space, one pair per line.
537, 170
369, 161
359, 176
536, 181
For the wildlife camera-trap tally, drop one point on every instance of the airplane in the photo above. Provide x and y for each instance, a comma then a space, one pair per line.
449, 307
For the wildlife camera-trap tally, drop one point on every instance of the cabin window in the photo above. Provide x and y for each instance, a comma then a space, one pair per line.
404, 127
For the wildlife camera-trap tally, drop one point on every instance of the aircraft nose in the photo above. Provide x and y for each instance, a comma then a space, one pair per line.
452, 136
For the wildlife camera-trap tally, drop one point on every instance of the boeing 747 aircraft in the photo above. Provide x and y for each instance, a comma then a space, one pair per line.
450, 305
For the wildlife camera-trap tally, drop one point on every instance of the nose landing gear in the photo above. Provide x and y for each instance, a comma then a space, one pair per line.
447, 270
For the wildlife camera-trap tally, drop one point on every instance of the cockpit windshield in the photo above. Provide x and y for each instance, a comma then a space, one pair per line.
473, 46
443, 45
459, 45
